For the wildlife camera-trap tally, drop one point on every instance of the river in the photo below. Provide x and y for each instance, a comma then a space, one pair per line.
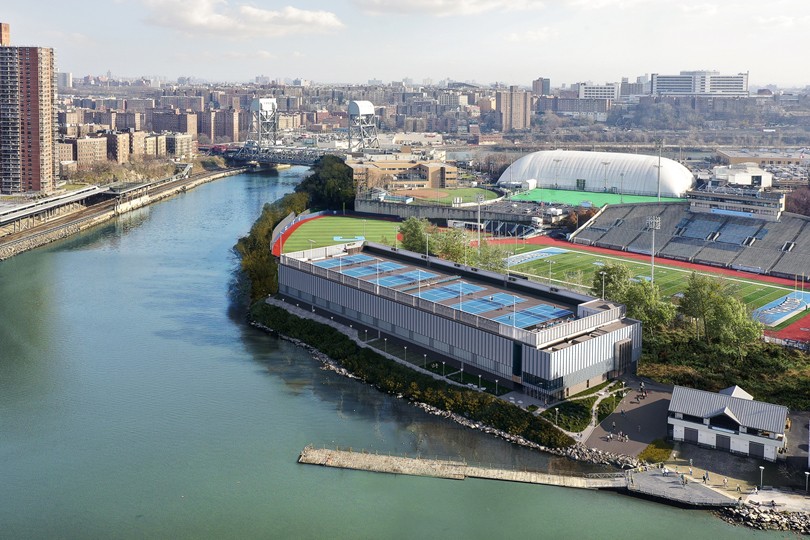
135, 403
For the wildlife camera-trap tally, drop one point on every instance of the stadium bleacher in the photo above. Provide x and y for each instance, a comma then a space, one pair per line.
727, 241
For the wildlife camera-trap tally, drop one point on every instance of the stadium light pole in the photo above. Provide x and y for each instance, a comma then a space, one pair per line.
621, 188
480, 199
549, 271
606, 163
654, 224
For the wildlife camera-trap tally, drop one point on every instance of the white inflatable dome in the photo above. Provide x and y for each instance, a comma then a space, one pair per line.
634, 174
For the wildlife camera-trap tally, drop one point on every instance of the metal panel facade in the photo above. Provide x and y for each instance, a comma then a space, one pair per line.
482, 349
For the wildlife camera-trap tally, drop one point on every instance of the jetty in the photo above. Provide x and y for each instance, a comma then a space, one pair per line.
648, 482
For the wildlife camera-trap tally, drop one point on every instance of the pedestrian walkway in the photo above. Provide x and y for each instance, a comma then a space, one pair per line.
669, 485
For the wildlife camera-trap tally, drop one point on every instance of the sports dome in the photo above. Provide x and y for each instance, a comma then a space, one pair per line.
633, 174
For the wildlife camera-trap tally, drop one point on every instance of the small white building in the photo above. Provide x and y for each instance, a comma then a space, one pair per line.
730, 420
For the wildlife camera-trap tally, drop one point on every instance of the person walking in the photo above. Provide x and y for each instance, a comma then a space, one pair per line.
725, 482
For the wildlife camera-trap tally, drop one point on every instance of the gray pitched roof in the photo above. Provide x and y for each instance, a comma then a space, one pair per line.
747, 412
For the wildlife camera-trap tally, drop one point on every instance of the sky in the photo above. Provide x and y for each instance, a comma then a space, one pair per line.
482, 41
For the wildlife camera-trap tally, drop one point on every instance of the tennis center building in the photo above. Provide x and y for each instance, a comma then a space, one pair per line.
543, 340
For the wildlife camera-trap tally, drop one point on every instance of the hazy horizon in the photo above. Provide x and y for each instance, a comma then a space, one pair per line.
352, 41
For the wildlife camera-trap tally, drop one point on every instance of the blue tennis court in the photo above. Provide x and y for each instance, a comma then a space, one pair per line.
337, 262
398, 280
533, 315
379, 268
488, 303
449, 291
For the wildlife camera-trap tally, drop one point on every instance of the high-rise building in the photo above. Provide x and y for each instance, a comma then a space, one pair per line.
515, 107
29, 158
541, 87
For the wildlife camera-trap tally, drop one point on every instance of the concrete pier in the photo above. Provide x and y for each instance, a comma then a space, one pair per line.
649, 482
456, 470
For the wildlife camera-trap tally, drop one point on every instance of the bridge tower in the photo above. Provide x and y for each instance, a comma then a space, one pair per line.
263, 127
362, 126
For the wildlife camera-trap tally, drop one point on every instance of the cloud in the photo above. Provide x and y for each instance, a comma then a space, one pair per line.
444, 8
602, 4
219, 17
539, 35
782, 21
701, 10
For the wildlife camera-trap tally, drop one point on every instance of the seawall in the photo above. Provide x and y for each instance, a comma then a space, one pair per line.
105, 211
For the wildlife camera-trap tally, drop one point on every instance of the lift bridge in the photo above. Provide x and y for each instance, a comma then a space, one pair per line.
261, 148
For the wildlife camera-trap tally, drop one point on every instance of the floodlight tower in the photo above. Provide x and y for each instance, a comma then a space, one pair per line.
362, 126
263, 126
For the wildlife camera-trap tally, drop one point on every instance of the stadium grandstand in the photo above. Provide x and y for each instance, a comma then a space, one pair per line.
608, 172
741, 226
780, 248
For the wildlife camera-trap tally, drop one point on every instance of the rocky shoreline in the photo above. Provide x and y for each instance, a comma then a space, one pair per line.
752, 516
577, 452
766, 518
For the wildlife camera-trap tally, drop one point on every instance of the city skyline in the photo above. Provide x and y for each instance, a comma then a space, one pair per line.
352, 41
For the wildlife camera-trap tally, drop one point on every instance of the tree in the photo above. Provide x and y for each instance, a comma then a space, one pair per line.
413, 231
331, 184
724, 318
616, 280
643, 302
489, 257
450, 244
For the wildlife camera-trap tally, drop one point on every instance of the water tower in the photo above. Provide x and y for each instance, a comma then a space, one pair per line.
362, 126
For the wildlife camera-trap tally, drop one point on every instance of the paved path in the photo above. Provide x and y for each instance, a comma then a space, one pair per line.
655, 483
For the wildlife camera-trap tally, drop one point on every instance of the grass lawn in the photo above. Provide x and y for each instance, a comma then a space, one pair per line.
576, 269
573, 415
324, 230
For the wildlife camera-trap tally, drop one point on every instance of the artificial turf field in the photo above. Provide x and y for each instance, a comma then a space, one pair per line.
324, 230
576, 198
573, 269
566, 268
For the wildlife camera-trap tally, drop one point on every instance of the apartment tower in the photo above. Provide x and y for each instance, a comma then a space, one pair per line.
515, 107
29, 159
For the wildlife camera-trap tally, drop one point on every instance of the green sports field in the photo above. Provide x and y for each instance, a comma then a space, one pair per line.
447, 196
324, 230
576, 269
576, 198
573, 269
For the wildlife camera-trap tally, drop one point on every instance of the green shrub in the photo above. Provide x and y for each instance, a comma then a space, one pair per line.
657, 451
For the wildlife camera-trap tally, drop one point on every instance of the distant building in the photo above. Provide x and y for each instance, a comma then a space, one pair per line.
730, 420
29, 158
763, 157
89, 150
541, 87
700, 83
117, 147
515, 108
599, 91
64, 80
